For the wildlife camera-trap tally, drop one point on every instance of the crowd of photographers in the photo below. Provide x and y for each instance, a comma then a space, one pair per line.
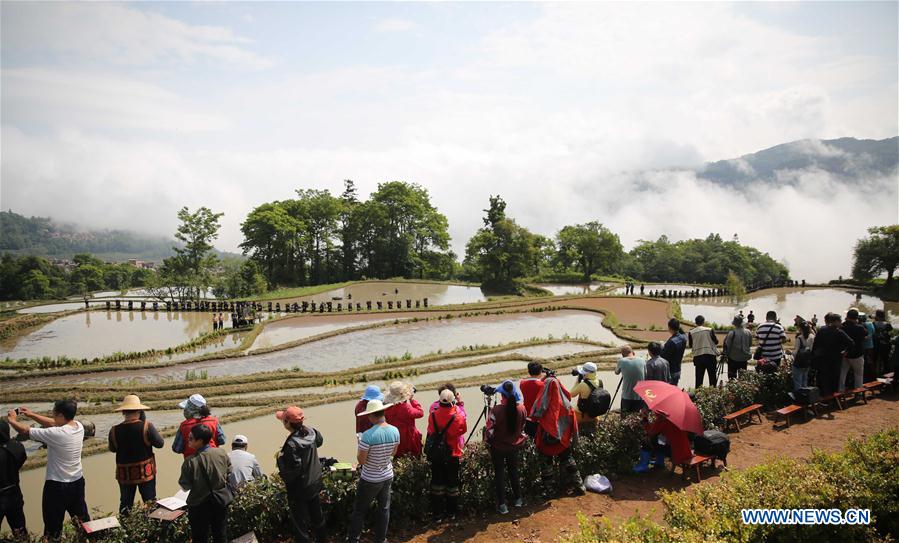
538, 407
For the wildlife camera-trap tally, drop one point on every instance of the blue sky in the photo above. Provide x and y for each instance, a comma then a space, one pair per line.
156, 105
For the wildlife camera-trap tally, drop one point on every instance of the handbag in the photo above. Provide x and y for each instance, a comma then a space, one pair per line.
222, 496
758, 350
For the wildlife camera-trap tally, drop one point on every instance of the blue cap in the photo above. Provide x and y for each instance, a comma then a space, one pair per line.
373, 392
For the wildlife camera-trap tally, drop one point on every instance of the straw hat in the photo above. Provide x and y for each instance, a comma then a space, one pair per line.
398, 392
131, 403
374, 406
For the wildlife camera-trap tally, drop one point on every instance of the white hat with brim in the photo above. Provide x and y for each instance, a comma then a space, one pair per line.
131, 403
398, 392
587, 368
374, 406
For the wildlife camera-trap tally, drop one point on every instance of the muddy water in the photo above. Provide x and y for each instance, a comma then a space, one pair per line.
288, 330
374, 291
789, 302
99, 333
564, 289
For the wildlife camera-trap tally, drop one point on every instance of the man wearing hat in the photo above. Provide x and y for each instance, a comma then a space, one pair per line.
132, 441
587, 381
372, 392
244, 466
737, 348
376, 449
196, 412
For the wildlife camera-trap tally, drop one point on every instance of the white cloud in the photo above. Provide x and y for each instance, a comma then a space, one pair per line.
394, 25
103, 32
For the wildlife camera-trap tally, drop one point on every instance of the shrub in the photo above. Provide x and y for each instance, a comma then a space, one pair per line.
864, 476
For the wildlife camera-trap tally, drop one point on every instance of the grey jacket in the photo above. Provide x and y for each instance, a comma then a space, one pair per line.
738, 345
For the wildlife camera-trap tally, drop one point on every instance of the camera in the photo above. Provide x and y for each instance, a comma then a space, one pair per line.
549, 372
575, 373
488, 390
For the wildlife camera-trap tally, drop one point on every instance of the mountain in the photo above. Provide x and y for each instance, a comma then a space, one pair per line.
844, 158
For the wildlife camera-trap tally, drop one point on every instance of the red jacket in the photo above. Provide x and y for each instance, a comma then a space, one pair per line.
530, 389
188, 424
677, 439
403, 415
362, 423
455, 431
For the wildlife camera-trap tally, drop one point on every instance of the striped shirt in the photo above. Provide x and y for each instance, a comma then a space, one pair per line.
771, 336
379, 441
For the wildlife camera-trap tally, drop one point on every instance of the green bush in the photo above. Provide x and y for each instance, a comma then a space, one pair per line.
864, 476
750, 387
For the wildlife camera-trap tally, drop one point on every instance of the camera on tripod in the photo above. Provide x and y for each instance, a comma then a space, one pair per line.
488, 390
549, 372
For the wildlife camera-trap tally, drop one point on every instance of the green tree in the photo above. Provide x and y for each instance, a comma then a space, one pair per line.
36, 286
501, 251
197, 231
270, 235
877, 254
590, 247
735, 286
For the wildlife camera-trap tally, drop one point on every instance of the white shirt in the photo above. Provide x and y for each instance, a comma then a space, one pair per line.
244, 467
63, 451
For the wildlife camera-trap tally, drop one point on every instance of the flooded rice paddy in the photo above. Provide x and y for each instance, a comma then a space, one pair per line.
573, 289
99, 333
788, 302
649, 287
374, 291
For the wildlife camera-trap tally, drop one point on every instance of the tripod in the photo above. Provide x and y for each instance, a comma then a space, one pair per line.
488, 403
613, 397
722, 363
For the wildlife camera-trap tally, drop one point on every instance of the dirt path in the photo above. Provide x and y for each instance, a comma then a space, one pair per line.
633, 493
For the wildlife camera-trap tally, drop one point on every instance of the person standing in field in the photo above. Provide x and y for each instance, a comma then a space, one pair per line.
64, 483
377, 447
446, 428
402, 415
204, 474
831, 343
372, 392
737, 348
133, 441
704, 343
196, 412
244, 466
656, 366
505, 436
882, 335
632, 369
12, 504
673, 350
771, 337
854, 358
868, 347
301, 471
802, 355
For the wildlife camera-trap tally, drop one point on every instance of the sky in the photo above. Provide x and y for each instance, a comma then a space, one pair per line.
116, 115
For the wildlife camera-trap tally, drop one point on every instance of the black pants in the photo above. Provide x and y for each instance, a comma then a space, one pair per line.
205, 518
705, 363
59, 499
734, 367
569, 476
127, 492
12, 508
631, 406
306, 514
445, 486
505, 463
882, 359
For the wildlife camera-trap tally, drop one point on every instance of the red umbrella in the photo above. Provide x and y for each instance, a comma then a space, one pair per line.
672, 402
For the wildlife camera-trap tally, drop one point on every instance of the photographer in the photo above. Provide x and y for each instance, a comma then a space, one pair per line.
446, 432
505, 435
587, 382
301, 471
556, 434
402, 414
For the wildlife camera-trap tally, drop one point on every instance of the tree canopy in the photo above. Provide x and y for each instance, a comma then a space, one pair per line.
877, 254
321, 238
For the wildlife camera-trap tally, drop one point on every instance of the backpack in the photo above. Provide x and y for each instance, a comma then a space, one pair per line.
882, 333
436, 447
803, 357
597, 403
712, 443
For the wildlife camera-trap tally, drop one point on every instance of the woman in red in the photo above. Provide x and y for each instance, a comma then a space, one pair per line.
402, 415
678, 444
448, 420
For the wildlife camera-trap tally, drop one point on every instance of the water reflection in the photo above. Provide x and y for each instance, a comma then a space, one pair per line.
567, 289
99, 333
437, 294
789, 302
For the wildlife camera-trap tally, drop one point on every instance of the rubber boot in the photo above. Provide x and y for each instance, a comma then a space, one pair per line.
659, 461
643, 465
437, 510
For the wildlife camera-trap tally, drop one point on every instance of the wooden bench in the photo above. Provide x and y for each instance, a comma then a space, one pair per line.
734, 418
695, 463
856, 393
835, 398
790, 409
874, 386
